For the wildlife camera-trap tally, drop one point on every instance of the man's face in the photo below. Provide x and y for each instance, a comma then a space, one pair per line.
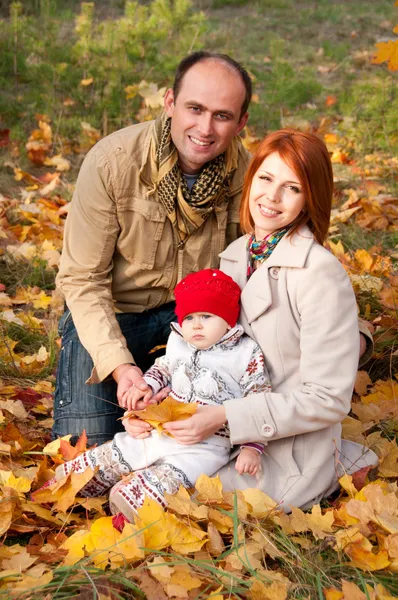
206, 114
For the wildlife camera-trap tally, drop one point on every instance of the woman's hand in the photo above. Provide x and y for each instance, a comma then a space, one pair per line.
206, 421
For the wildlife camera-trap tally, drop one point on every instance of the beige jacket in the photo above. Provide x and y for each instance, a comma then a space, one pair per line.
120, 251
300, 308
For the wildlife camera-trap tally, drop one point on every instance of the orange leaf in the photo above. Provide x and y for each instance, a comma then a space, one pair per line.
330, 100
70, 452
366, 560
389, 297
387, 52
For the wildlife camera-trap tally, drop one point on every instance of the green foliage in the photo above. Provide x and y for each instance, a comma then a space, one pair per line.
15, 273
43, 60
373, 107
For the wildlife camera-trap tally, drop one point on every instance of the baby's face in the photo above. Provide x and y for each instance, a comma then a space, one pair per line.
202, 330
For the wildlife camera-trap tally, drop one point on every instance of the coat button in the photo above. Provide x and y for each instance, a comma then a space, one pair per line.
268, 430
274, 272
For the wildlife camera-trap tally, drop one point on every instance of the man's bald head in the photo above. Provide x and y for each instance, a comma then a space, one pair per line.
189, 61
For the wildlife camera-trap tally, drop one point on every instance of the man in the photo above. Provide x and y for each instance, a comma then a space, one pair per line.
152, 203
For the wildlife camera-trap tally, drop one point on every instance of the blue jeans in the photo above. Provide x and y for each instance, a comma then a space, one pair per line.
94, 407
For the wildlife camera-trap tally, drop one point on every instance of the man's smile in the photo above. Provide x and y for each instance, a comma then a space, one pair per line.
198, 142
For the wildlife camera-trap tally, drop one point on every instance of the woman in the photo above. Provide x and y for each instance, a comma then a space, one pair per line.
298, 304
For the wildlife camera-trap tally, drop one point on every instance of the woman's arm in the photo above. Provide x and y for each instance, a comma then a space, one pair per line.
329, 350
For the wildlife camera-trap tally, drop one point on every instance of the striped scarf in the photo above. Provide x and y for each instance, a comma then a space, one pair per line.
258, 252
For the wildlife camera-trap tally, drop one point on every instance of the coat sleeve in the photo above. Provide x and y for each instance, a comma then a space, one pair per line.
329, 351
369, 343
159, 375
91, 233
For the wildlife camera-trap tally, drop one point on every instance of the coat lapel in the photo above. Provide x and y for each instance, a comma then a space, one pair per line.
256, 295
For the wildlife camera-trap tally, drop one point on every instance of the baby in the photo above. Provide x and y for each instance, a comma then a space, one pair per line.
209, 359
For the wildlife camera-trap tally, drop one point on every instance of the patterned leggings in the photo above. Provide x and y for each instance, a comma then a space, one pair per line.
128, 489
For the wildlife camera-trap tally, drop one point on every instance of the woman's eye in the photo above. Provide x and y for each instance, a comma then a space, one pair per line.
264, 177
295, 189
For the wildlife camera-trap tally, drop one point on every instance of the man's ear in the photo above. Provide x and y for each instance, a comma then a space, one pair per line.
242, 123
169, 102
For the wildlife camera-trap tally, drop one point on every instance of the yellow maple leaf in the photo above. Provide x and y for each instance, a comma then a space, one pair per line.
36, 577
42, 300
382, 593
364, 260
162, 529
391, 545
165, 412
209, 489
352, 592
262, 591
319, 524
104, 544
332, 594
151, 518
337, 248
182, 504
63, 492
215, 595
19, 484
260, 505
366, 560
347, 485
347, 536
59, 162
224, 523
177, 580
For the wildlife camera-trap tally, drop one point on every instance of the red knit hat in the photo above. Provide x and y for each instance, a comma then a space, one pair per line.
209, 291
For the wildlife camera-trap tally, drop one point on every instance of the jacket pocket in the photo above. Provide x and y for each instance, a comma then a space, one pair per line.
222, 219
283, 452
64, 320
141, 228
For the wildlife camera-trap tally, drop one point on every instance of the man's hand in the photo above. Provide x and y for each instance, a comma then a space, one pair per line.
127, 376
206, 421
248, 461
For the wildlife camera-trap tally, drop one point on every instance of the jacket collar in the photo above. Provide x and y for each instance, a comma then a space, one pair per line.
229, 339
256, 295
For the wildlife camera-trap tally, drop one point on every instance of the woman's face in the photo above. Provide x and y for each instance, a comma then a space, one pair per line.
276, 197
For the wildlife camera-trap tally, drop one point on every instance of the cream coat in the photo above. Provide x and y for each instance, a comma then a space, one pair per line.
300, 308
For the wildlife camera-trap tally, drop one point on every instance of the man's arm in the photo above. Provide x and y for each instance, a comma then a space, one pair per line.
91, 233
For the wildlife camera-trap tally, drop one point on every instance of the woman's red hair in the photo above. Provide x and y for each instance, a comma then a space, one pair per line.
307, 155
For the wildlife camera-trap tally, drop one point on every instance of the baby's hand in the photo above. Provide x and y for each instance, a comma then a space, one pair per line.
134, 394
248, 461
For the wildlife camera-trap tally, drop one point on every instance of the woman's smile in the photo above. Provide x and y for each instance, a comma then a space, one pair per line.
268, 212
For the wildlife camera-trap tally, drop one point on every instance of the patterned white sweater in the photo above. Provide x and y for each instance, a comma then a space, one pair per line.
232, 368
